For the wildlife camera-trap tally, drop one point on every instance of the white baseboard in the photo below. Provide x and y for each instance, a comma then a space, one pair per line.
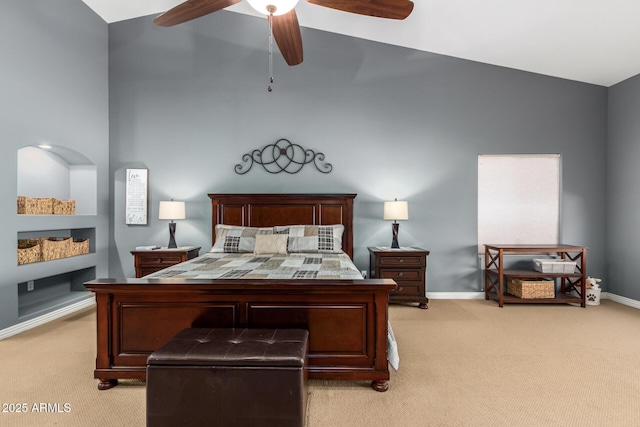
480, 295
621, 300
45, 318
455, 295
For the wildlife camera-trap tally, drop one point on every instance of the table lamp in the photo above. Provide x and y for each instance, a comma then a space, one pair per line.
171, 210
396, 211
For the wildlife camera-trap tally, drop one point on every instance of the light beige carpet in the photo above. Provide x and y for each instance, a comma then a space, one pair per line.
463, 363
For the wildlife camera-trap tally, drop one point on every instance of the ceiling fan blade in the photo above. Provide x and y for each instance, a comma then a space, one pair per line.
390, 9
191, 9
286, 31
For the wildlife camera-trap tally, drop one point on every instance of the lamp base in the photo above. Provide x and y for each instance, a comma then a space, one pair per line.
172, 235
394, 228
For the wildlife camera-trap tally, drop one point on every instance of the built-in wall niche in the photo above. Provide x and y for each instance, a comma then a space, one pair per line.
59, 172
40, 296
76, 233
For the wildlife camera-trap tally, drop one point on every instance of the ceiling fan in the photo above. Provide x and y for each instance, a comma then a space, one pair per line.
282, 16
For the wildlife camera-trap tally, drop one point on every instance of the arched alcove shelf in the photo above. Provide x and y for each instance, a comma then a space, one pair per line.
59, 172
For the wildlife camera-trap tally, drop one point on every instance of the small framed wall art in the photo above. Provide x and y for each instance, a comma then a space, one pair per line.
136, 194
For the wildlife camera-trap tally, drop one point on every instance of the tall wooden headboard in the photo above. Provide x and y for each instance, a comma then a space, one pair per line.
266, 210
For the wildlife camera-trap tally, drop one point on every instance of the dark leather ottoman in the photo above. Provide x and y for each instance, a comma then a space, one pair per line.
229, 377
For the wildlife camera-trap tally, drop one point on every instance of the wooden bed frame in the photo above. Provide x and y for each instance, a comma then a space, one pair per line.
346, 319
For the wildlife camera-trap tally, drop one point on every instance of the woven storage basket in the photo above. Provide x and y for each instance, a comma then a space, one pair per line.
531, 288
55, 247
35, 205
64, 207
29, 250
78, 247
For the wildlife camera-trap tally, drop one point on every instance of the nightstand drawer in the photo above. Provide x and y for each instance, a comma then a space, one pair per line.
150, 261
407, 288
401, 260
401, 274
159, 260
144, 270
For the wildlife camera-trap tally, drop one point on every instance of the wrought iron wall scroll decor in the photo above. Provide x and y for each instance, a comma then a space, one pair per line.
283, 156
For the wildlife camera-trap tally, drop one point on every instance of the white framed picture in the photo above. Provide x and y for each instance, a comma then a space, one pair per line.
136, 189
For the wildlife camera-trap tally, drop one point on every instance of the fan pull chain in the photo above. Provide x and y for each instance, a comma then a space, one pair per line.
270, 52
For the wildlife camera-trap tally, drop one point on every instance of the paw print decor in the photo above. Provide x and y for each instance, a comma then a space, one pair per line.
591, 297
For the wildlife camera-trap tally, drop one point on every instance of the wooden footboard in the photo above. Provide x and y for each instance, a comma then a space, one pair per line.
346, 319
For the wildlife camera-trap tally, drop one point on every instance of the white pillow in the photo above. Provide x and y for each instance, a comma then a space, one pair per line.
271, 244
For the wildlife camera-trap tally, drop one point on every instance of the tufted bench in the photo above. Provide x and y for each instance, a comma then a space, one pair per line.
229, 377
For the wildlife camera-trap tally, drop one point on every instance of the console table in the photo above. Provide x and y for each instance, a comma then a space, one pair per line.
495, 274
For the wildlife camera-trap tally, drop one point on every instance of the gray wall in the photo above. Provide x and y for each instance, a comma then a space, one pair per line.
54, 89
623, 176
187, 102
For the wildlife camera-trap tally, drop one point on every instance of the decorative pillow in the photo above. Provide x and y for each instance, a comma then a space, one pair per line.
313, 238
234, 239
271, 244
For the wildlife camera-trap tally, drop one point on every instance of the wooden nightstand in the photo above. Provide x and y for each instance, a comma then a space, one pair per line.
150, 261
407, 267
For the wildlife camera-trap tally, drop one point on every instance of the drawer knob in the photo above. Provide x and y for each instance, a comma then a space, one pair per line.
159, 260
400, 289
400, 274
401, 259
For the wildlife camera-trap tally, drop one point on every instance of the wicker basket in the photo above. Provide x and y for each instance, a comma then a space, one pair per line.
29, 250
35, 205
55, 247
78, 247
64, 207
531, 288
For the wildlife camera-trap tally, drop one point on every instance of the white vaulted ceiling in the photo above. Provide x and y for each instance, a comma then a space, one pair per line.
591, 41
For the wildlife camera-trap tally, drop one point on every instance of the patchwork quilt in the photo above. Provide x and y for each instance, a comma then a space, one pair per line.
220, 265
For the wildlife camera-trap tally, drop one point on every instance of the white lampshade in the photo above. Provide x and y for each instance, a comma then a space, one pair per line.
171, 210
282, 6
396, 210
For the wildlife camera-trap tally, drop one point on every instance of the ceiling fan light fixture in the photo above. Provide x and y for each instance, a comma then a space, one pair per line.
266, 6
